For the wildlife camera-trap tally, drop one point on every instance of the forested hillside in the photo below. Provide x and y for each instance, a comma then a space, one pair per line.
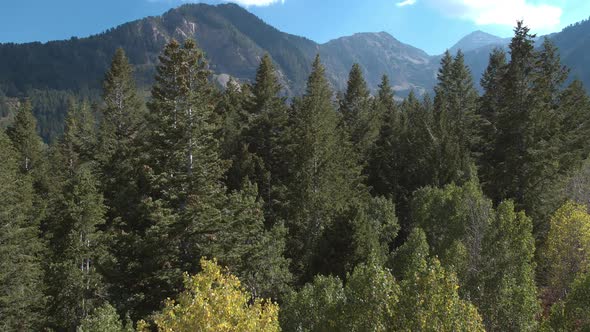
235, 210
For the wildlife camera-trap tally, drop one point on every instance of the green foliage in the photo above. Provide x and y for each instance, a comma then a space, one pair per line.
324, 177
490, 250
411, 256
316, 307
361, 233
372, 300
104, 319
358, 118
509, 299
533, 118
22, 299
456, 122
77, 249
112, 217
23, 134
430, 302
259, 152
573, 313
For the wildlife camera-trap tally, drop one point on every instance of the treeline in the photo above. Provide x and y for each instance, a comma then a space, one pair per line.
356, 213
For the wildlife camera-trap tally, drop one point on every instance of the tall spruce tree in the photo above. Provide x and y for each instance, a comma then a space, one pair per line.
182, 171
186, 212
358, 118
267, 114
324, 173
525, 159
22, 298
74, 225
489, 106
456, 120
232, 110
118, 156
23, 134
77, 249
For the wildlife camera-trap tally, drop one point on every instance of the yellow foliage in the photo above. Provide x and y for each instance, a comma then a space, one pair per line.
567, 247
215, 300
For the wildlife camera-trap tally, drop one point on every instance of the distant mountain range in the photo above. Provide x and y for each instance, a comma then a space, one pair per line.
235, 40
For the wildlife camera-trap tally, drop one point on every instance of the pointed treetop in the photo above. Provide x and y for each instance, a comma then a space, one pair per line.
357, 86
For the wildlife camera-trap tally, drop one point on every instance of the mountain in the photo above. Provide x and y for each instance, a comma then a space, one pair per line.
574, 47
409, 68
234, 41
477, 40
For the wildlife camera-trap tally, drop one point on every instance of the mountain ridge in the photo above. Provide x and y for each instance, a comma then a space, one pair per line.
235, 40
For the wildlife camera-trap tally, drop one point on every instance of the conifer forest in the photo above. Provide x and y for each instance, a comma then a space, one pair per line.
199, 208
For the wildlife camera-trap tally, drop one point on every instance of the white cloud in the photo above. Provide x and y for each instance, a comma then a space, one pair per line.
405, 3
502, 12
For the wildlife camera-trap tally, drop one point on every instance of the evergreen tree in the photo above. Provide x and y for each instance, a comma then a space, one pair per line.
76, 243
402, 159
359, 119
455, 121
324, 175
489, 106
267, 116
186, 212
24, 137
232, 110
118, 156
528, 160
22, 299
382, 166
77, 146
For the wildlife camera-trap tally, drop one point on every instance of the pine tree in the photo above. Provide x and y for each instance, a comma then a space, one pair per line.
122, 112
324, 175
489, 107
186, 213
22, 298
24, 137
76, 243
232, 110
455, 120
118, 156
74, 224
384, 102
264, 135
358, 118
79, 140
402, 159
382, 162
526, 159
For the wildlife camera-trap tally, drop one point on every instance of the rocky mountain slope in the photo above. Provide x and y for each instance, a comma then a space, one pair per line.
235, 40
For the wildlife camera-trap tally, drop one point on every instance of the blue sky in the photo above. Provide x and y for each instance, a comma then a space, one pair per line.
432, 25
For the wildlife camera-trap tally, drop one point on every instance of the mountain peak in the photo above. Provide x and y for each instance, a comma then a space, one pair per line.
477, 39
